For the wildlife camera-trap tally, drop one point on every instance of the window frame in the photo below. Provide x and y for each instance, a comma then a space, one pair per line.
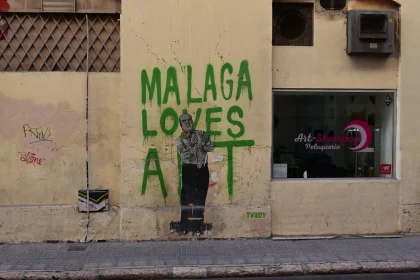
395, 163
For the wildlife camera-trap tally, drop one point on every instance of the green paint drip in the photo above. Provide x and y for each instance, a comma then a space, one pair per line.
169, 112
171, 86
230, 145
146, 85
232, 111
210, 120
146, 133
230, 171
210, 83
190, 99
244, 81
153, 155
229, 68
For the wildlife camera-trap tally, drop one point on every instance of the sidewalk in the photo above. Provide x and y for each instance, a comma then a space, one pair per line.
208, 258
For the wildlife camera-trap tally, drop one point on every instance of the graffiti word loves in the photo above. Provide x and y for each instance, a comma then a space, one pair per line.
39, 134
31, 158
255, 215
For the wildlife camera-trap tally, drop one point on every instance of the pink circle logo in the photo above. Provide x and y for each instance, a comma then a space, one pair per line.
365, 134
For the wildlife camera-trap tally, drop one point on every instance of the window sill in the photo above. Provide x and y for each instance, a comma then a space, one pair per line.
335, 180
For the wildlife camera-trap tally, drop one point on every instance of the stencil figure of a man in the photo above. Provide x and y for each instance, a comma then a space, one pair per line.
193, 145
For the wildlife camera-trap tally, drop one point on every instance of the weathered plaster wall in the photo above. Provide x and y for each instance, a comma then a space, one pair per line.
409, 84
179, 34
104, 151
326, 64
41, 114
334, 207
38, 201
44, 114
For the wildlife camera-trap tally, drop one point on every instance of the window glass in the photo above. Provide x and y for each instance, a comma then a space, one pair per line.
333, 135
333, 4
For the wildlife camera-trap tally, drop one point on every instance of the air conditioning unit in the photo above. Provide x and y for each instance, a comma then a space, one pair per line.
59, 6
371, 32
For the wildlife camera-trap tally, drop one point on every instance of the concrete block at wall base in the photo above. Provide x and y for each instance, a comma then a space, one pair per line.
227, 222
104, 225
38, 224
409, 218
138, 224
330, 207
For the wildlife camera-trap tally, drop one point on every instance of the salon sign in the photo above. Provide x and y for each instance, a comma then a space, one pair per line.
324, 142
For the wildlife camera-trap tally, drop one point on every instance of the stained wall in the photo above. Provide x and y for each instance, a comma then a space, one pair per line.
191, 45
43, 154
200, 54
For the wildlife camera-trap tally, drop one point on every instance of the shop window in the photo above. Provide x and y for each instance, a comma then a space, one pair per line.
333, 134
333, 4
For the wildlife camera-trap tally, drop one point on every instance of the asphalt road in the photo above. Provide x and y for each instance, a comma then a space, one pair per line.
388, 276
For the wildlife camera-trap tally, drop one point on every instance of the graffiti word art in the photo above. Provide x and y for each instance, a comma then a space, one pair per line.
255, 215
40, 134
31, 158
153, 155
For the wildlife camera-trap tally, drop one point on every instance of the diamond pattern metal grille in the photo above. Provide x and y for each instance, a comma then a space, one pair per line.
58, 42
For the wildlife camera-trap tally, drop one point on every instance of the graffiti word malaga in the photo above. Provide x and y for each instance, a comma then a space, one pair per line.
229, 89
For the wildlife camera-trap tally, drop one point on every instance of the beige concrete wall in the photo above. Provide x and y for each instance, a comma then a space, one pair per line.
197, 33
409, 145
326, 63
49, 109
33, 104
44, 114
104, 152
322, 207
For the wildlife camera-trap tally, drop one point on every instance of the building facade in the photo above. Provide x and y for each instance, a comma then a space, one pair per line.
306, 133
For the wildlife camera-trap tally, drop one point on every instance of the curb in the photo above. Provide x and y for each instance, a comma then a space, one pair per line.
225, 271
